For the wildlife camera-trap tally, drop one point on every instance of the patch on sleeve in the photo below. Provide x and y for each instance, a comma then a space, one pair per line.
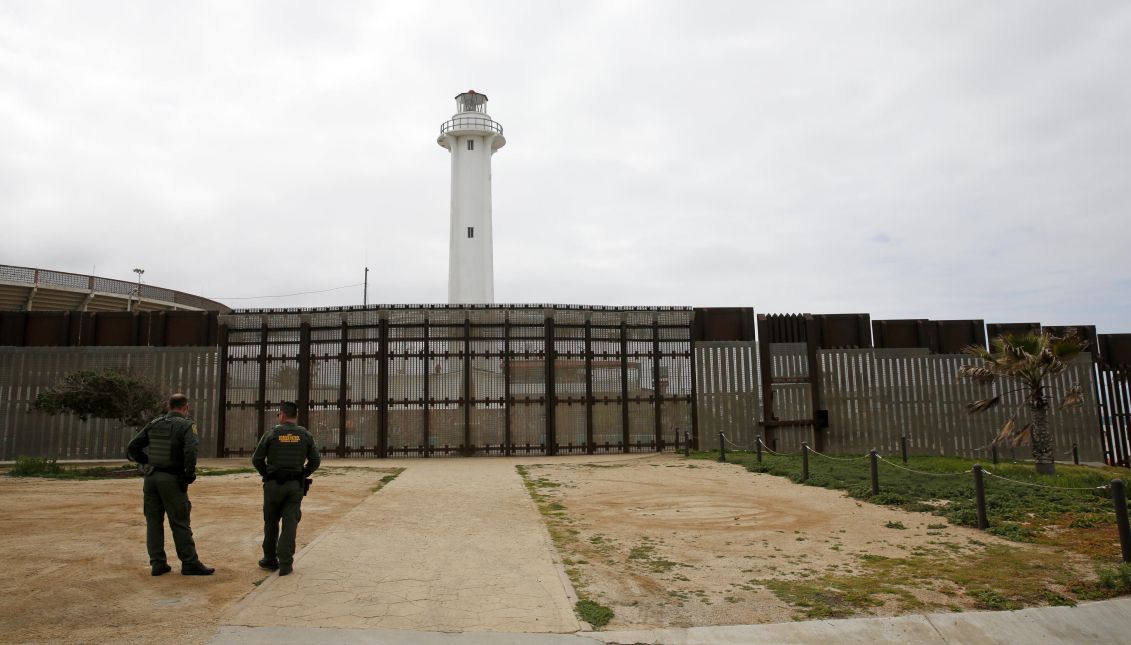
289, 438
194, 429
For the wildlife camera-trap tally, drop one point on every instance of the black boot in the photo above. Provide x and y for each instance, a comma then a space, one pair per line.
160, 569
270, 565
285, 569
196, 569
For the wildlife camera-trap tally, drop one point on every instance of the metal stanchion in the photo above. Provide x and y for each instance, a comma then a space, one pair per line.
903, 448
1119, 500
875, 472
993, 453
804, 462
980, 497
759, 448
722, 448
686, 443
1076, 454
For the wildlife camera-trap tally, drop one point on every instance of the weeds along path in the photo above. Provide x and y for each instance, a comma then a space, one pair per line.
671, 542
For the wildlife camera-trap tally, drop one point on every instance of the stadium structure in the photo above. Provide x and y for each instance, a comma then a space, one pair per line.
28, 289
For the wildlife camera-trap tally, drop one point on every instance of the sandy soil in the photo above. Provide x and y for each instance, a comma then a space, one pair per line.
75, 568
668, 542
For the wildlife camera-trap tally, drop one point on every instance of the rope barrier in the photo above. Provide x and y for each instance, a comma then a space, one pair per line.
1035, 485
733, 444
771, 450
838, 458
923, 472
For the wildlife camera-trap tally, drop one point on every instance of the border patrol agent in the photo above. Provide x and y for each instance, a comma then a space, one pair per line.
285, 457
169, 465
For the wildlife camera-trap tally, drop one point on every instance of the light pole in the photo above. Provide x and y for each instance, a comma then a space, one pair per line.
138, 272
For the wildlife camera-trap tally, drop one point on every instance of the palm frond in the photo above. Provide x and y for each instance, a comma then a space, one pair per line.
978, 373
1074, 397
982, 405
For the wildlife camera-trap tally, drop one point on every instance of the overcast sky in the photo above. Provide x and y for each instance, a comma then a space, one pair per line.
904, 159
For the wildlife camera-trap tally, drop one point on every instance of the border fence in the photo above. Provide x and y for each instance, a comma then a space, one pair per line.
434, 381
425, 381
26, 371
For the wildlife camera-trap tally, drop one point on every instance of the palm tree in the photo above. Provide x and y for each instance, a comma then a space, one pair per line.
1028, 360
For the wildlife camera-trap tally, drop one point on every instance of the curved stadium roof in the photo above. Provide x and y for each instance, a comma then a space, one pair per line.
27, 289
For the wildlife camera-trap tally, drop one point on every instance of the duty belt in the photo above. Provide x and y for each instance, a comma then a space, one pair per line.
286, 476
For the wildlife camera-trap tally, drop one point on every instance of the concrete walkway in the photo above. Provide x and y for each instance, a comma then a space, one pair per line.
450, 545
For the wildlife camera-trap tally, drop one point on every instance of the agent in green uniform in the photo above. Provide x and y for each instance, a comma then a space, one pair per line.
285, 457
167, 448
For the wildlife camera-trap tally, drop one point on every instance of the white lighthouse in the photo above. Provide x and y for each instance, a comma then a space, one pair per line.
472, 137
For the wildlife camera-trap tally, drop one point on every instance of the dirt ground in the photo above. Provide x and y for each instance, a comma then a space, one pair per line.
668, 542
75, 569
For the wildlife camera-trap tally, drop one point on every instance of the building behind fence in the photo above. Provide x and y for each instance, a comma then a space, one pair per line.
447, 380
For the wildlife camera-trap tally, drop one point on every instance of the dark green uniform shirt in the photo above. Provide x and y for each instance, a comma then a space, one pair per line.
287, 449
168, 443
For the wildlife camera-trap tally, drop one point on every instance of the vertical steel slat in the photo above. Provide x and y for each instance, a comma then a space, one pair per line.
551, 388
657, 396
221, 403
624, 385
304, 374
343, 386
468, 449
508, 400
425, 403
261, 399
383, 388
589, 445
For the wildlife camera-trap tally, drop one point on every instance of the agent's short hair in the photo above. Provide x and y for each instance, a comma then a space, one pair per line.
289, 410
177, 401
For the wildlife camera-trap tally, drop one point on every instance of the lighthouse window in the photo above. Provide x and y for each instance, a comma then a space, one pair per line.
471, 144
471, 231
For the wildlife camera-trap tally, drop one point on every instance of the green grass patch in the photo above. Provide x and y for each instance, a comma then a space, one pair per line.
384, 481
52, 469
593, 613
1016, 511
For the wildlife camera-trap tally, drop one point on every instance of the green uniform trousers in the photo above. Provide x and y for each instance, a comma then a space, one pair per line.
281, 501
163, 496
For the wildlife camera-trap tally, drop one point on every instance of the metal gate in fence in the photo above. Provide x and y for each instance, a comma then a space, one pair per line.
424, 381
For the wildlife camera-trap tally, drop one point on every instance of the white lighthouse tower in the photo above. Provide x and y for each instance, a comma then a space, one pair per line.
472, 137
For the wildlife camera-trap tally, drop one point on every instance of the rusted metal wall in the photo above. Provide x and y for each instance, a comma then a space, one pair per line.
873, 397
434, 381
25, 372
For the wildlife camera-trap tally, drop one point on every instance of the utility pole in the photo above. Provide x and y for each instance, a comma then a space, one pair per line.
138, 272
365, 291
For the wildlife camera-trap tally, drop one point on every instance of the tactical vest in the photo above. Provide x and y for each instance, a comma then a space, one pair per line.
288, 450
166, 443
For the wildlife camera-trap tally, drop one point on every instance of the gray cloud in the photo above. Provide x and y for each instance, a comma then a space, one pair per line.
940, 160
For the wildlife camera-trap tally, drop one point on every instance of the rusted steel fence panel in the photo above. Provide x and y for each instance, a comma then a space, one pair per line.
463, 380
27, 371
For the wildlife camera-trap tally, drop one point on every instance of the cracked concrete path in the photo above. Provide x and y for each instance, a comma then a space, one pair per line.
450, 545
